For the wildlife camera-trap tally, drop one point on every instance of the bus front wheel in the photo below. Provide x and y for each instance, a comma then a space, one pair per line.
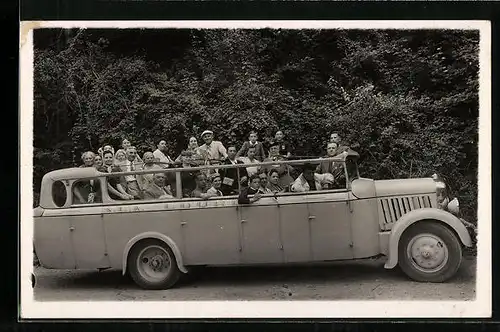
152, 265
429, 252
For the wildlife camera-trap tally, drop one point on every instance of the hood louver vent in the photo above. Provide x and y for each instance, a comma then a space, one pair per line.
393, 208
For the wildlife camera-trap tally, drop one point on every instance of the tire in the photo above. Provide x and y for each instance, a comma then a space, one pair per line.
429, 252
152, 265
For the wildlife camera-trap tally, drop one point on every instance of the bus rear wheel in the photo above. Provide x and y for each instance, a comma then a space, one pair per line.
429, 252
152, 265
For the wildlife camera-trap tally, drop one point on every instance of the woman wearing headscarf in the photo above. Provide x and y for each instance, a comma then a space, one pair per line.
120, 158
149, 164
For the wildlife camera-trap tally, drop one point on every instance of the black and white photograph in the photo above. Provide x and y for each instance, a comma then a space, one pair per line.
214, 169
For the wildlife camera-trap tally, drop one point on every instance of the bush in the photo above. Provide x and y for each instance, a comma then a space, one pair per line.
407, 101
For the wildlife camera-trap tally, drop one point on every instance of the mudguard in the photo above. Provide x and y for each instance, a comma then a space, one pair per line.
158, 236
420, 215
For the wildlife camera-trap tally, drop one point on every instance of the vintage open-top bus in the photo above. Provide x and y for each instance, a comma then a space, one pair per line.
156, 241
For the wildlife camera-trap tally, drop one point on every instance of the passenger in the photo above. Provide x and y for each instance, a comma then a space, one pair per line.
87, 191
88, 159
115, 187
97, 161
214, 190
133, 181
185, 159
120, 158
157, 188
328, 166
250, 159
201, 185
341, 147
213, 150
263, 189
160, 154
252, 142
286, 172
274, 182
126, 144
285, 148
198, 157
106, 147
149, 164
230, 175
252, 189
309, 180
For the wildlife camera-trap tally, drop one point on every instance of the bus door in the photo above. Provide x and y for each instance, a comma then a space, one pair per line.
260, 231
295, 228
330, 225
209, 231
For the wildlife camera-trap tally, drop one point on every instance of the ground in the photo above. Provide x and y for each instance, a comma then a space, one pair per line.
352, 280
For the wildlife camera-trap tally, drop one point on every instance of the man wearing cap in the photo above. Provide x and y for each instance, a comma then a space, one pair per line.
309, 180
215, 150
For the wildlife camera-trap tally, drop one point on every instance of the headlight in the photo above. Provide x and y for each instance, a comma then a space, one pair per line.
454, 206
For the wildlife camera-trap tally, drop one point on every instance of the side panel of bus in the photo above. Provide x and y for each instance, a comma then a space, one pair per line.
121, 227
76, 232
53, 243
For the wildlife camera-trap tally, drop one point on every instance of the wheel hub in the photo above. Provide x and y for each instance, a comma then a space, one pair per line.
427, 252
157, 262
153, 263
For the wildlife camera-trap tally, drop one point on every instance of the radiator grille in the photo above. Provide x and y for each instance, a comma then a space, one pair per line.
393, 208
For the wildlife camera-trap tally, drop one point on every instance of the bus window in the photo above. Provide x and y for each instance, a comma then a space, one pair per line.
87, 191
59, 194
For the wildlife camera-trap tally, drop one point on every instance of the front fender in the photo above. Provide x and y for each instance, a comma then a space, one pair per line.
158, 236
418, 215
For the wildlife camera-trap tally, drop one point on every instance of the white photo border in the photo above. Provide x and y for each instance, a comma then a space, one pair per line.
479, 308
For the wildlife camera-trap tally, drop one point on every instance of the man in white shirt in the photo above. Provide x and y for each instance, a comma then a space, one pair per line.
161, 156
132, 183
215, 150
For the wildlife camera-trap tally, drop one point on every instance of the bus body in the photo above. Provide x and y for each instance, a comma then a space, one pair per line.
158, 240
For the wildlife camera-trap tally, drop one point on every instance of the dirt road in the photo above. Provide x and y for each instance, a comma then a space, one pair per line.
353, 280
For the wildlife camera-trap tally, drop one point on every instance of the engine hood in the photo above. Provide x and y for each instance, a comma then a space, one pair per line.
405, 187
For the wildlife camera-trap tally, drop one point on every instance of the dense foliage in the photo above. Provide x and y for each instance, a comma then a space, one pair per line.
407, 101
